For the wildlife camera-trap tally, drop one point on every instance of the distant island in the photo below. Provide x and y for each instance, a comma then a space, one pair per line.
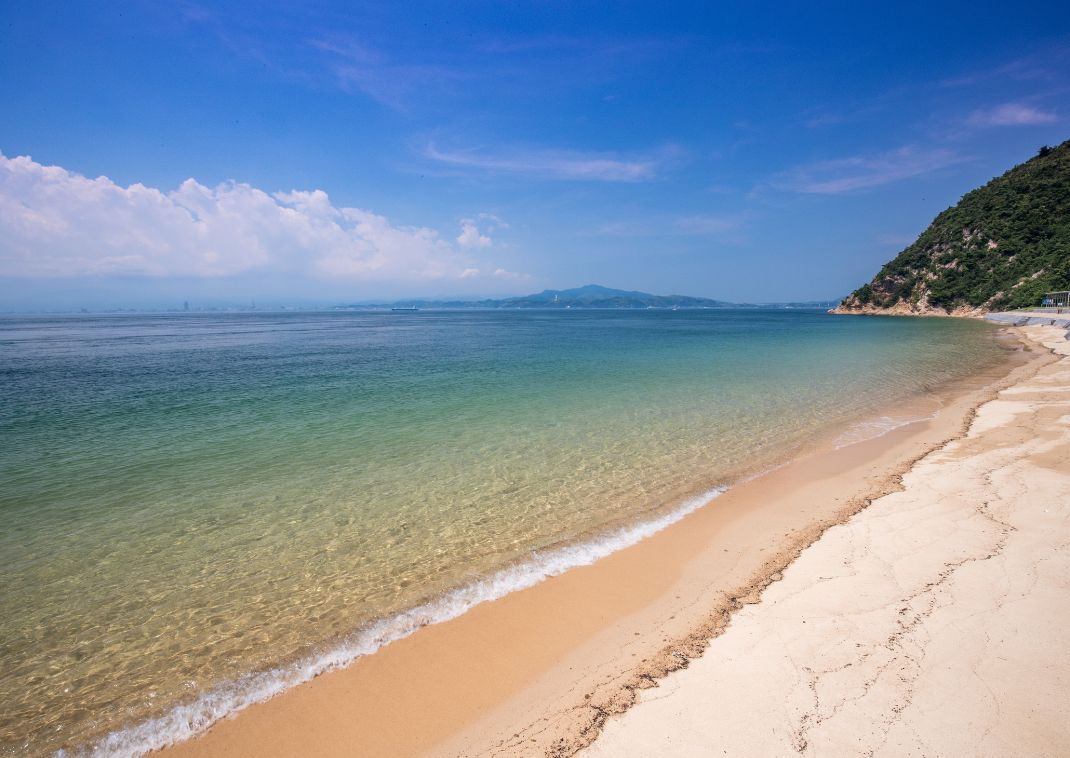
589, 296
1002, 246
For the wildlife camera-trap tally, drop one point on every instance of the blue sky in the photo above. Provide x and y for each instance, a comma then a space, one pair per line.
301, 152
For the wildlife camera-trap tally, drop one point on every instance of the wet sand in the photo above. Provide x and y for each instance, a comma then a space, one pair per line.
541, 670
935, 622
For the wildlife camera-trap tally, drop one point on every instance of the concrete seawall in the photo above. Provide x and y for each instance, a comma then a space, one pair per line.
1032, 318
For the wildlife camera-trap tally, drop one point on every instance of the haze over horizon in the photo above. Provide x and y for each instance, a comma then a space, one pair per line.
151, 154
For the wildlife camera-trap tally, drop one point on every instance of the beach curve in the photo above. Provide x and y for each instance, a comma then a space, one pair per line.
594, 630
922, 626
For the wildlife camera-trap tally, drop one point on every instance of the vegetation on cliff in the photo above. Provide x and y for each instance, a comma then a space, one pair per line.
1002, 246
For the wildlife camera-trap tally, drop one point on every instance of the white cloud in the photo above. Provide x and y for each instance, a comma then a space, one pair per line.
865, 171
56, 223
493, 220
1011, 114
470, 235
557, 164
476, 232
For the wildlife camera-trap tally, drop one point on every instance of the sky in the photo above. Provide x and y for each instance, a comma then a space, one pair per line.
301, 153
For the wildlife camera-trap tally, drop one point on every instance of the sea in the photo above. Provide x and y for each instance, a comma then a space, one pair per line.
200, 510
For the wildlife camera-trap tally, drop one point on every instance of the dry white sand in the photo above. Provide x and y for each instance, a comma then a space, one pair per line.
936, 622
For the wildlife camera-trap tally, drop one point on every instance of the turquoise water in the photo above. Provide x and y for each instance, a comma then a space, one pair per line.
200, 510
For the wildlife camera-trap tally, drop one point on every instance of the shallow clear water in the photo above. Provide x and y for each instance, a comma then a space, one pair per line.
187, 499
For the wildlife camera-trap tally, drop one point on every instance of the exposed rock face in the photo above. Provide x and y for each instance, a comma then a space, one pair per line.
903, 308
1001, 247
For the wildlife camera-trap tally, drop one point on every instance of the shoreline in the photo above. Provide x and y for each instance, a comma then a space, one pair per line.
923, 626
258, 687
1022, 317
473, 679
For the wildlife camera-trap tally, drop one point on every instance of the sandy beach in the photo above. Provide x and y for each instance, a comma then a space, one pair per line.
934, 622
545, 670
383, 380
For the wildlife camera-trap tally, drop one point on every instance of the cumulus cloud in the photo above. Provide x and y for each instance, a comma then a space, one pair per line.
476, 232
470, 235
1011, 114
56, 223
865, 171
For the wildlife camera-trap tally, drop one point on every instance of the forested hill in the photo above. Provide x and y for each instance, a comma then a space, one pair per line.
1002, 246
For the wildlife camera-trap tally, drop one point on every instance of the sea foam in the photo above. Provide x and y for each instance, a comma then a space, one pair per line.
873, 428
188, 720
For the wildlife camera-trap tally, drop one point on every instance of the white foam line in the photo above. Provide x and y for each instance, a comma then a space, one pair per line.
871, 429
185, 721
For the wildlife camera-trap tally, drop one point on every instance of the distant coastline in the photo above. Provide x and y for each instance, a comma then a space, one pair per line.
591, 296
588, 296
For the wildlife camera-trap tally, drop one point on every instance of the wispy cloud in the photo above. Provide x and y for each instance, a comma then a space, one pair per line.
406, 78
862, 172
941, 107
1036, 67
705, 225
1011, 114
557, 164
700, 225
822, 120
501, 273
357, 67
56, 223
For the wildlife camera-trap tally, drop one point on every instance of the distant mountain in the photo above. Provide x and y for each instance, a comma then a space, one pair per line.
1003, 246
589, 296
597, 296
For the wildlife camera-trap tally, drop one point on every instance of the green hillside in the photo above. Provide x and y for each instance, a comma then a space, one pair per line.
1001, 247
